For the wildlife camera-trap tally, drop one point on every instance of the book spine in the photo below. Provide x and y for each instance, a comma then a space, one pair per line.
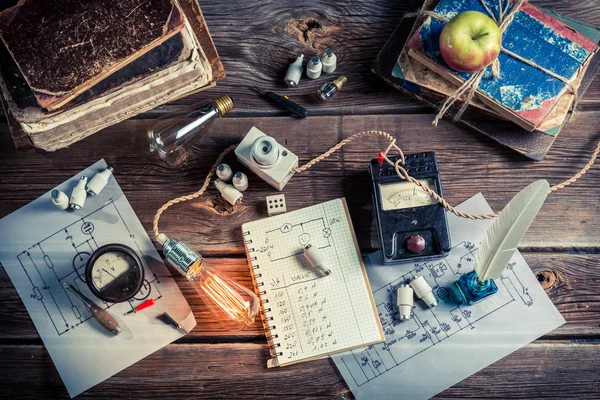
265, 307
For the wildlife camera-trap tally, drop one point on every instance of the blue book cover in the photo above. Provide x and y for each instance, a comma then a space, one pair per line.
523, 90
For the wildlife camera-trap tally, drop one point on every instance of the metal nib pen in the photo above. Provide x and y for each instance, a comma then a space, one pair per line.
284, 102
103, 317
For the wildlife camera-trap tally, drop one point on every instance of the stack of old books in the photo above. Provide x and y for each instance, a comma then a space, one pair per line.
525, 107
71, 68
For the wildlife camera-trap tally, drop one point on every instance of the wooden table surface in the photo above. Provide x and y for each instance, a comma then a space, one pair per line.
256, 41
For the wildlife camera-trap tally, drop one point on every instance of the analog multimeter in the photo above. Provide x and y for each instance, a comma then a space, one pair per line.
114, 273
411, 224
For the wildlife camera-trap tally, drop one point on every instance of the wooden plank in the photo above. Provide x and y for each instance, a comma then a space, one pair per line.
238, 371
569, 280
468, 162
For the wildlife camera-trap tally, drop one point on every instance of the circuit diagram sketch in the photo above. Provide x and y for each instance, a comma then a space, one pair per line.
45, 247
47, 271
314, 232
467, 336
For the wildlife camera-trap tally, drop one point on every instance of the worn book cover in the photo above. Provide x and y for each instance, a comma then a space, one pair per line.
63, 48
196, 68
523, 93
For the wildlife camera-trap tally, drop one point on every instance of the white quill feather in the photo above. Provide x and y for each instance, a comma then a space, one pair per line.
508, 229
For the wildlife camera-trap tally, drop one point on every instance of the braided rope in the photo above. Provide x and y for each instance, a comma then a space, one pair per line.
400, 171
193, 195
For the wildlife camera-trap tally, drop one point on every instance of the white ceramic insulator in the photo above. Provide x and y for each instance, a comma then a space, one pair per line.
405, 301
316, 259
99, 181
240, 181
329, 62
60, 199
229, 193
294, 72
224, 172
423, 291
79, 194
314, 68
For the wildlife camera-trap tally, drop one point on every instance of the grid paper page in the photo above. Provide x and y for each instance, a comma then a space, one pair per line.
310, 315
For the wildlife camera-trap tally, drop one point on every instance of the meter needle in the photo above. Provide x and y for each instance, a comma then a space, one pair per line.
103, 317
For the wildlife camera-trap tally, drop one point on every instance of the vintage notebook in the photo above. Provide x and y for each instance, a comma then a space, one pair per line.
522, 93
83, 42
395, 67
307, 316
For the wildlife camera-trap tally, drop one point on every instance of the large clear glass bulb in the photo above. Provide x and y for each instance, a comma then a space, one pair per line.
234, 305
172, 134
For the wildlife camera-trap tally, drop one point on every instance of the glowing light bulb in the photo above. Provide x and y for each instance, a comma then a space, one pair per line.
223, 296
172, 134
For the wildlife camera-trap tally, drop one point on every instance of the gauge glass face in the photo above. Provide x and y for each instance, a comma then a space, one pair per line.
110, 266
400, 195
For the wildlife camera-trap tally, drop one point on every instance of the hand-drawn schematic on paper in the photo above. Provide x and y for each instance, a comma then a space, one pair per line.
81, 239
314, 232
413, 361
45, 247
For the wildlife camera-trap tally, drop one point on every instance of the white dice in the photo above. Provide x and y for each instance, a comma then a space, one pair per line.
276, 204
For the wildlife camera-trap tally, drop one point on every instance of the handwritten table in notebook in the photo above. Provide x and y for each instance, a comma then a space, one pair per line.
561, 246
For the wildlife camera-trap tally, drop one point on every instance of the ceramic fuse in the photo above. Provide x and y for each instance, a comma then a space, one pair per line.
329, 61
404, 301
316, 259
59, 199
224, 172
229, 193
79, 194
294, 72
314, 67
99, 181
423, 291
240, 181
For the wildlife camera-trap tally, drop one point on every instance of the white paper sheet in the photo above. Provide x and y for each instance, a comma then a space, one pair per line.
43, 247
438, 348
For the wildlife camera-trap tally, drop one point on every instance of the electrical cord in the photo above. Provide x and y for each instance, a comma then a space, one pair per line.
399, 170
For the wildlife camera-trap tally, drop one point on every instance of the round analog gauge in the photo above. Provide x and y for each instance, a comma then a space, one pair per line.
400, 195
114, 273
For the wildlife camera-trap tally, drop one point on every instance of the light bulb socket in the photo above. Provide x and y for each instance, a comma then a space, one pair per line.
340, 81
179, 255
224, 104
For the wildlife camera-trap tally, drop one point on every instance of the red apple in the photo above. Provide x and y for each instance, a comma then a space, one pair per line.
470, 41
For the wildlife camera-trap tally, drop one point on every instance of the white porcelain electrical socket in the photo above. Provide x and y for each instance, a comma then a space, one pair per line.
99, 181
268, 159
423, 291
79, 194
276, 204
329, 61
404, 301
314, 68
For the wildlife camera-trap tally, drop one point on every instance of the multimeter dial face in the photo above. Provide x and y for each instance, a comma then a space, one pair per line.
114, 273
401, 195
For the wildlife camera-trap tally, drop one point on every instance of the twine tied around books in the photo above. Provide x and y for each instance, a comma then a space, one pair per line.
468, 89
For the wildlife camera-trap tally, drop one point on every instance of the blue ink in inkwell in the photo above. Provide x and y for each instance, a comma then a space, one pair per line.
469, 290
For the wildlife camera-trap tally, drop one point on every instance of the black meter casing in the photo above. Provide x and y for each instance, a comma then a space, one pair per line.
127, 285
396, 226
